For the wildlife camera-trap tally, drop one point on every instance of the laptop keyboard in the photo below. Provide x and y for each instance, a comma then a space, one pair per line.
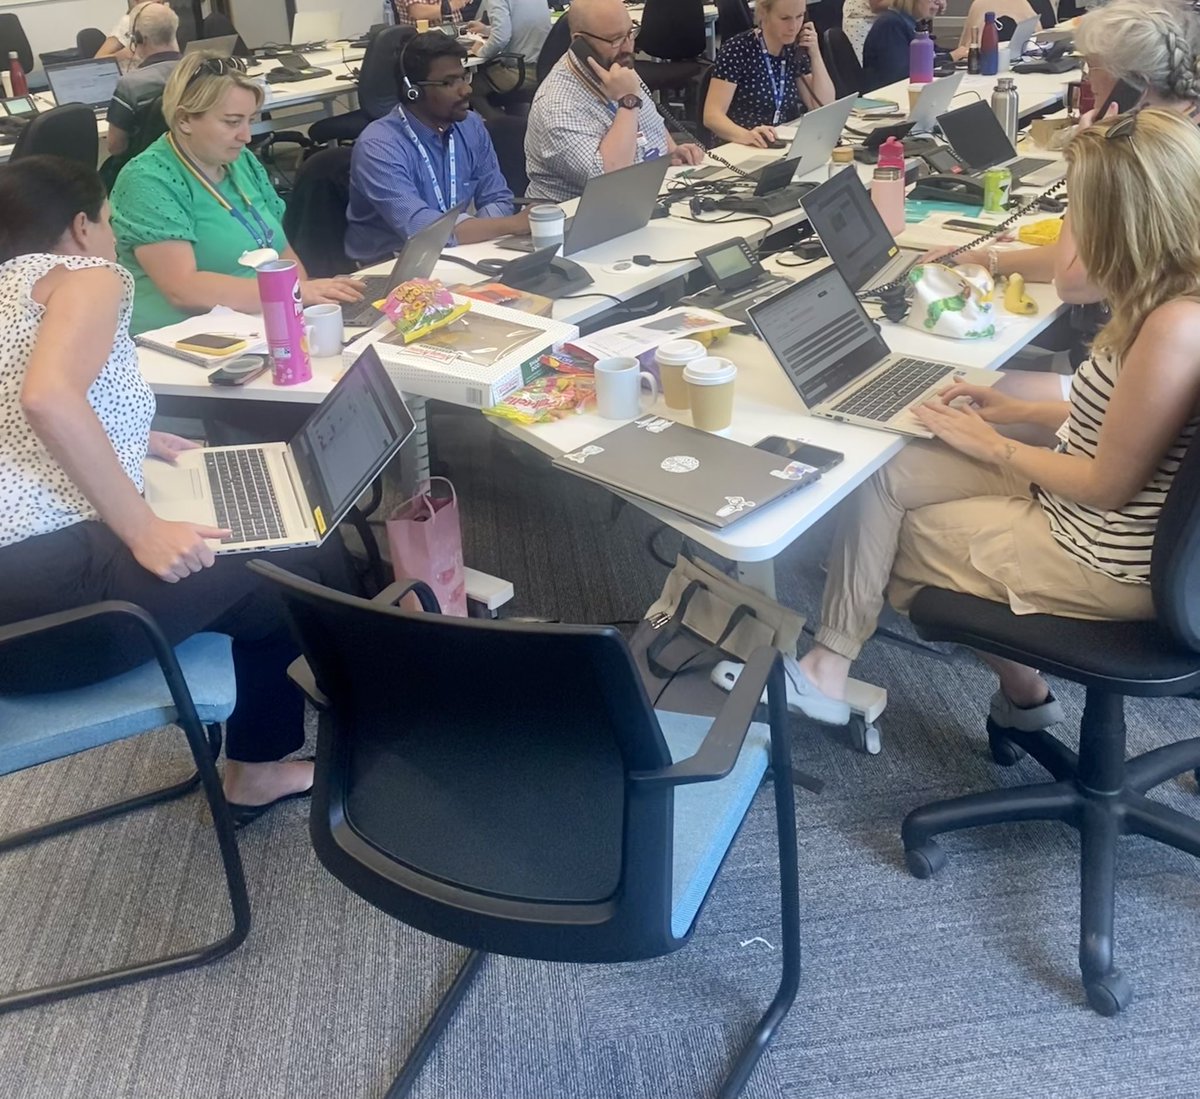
242, 493
892, 391
364, 312
1024, 166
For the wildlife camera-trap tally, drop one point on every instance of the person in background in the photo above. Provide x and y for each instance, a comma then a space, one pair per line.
516, 27
767, 76
156, 52
75, 419
187, 209
408, 12
1007, 11
592, 114
960, 511
858, 17
430, 154
117, 43
885, 51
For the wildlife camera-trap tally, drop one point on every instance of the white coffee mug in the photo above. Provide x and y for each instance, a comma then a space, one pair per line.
619, 388
323, 325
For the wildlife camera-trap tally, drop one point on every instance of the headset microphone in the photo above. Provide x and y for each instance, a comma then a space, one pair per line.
410, 90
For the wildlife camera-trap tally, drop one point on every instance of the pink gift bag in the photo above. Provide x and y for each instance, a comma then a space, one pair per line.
425, 540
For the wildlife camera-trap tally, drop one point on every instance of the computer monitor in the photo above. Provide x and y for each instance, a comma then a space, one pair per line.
90, 82
312, 27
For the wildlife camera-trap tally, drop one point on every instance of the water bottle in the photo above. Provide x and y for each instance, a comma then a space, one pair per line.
1004, 107
16, 75
920, 58
389, 14
887, 185
973, 53
989, 46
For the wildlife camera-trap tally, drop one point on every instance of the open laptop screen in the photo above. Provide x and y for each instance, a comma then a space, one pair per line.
89, 82
976, 135
342, 445
850, 228
821, 336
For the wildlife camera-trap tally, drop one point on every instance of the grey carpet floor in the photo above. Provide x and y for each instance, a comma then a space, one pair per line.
961, 986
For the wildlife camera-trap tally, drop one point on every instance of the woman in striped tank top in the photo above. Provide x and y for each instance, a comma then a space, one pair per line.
1065, 531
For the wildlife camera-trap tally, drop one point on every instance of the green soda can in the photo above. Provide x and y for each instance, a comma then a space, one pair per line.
996, 184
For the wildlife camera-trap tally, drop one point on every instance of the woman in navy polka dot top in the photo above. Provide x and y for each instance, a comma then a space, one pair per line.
767, 76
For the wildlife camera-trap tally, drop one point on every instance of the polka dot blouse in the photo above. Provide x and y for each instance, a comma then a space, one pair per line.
36, 495
742, 61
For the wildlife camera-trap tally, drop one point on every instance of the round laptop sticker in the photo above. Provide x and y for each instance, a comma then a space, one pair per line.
680, 463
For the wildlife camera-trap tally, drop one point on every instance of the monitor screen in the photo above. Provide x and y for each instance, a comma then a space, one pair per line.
850, 228
89, 82
976, 135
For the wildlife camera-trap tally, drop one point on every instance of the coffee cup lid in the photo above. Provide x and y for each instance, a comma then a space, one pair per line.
709, 371
545, 211
679, 352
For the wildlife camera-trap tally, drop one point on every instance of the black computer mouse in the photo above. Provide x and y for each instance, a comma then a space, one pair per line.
1050, 204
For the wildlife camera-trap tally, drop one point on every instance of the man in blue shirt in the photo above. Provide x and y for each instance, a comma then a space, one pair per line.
431, 153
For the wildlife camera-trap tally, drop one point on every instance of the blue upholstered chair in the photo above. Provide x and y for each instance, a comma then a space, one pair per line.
508, 786
191, 686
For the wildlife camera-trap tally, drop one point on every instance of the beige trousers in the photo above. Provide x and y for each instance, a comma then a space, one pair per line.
933, 517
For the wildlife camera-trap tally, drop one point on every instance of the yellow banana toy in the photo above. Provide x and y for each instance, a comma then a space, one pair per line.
1015, 298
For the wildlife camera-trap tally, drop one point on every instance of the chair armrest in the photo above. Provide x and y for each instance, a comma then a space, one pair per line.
509, 58
302, 675
719, 751
393, 593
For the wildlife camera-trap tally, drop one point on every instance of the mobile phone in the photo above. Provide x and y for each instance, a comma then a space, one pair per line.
582, 49
965, 225
797, 450
207, 343
240, 371
1125, 95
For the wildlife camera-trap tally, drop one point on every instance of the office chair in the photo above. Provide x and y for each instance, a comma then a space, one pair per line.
315, 218
148, 126
377, 94
191, 686
67, 131
1045, 13
733, 17
673, 34
845, 69
13, 40
556, 44
508, 138
88, 41
570, 823
706, 136
1096, 791
825, 15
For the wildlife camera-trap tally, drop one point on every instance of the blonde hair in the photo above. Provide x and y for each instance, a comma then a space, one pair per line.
765, 7
1154, 45
190, 92
1135, 215
905, 6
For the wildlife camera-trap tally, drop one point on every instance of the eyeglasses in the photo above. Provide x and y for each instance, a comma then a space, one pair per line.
217, 66
615, 40
1123, 127
464, 77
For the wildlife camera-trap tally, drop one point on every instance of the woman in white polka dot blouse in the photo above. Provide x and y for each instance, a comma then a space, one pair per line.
75, 419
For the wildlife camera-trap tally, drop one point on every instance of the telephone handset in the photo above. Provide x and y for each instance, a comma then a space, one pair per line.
1125, 95
949, 188
583, 49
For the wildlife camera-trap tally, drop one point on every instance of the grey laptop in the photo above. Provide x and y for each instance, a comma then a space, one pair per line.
611, 205
817, 133
279, 495
1026, 29
833, 354
979, 141
934, 100
222, 45
841, 212
417, 259
89, 82
710, 479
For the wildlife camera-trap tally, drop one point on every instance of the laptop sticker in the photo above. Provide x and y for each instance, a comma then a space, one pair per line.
581, 456
680, 463
733, 505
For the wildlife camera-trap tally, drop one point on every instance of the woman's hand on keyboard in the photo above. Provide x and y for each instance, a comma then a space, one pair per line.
168, 447
337, 289
991, 405
173, 551
964, 429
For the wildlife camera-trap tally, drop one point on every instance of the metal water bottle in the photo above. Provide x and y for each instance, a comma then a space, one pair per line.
1004, 107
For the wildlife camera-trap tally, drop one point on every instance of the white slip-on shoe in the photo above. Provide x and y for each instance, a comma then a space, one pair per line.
1006, 714
802, 696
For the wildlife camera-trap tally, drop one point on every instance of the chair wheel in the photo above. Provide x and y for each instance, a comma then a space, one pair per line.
925, 860
865, 737
1004, 751
1107, 995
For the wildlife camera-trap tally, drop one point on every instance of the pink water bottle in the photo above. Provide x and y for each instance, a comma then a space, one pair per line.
887, 185
283, 319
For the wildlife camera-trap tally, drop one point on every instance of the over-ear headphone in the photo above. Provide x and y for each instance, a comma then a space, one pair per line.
136, 38
410, 91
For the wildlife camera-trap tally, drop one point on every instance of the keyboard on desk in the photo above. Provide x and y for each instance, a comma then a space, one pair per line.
363, 314
894, 390
243, 495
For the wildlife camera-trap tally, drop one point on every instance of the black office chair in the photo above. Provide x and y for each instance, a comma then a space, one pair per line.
315, 219
13, 40
89, 40
377, 95
219, 25
706, 136
733, 17
673, 34
1096, 791
67, 131
556, 44
508, 138
845, 69
542, 824
826, 15
1045, 13
148, 126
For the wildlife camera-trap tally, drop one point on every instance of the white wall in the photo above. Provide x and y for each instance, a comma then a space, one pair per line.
260, 21
52, 24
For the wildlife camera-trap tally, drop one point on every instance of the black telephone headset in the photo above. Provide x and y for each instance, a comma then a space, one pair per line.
410, 91
136, 38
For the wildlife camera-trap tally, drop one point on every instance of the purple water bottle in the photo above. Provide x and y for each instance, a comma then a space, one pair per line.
920, 58
283, 319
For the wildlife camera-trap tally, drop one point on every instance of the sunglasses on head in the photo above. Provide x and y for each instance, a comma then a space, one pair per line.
218, 66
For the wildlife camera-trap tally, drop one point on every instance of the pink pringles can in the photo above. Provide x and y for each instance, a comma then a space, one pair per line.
283, 319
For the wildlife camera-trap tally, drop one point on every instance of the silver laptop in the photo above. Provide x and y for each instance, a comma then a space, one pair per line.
833, 354
1026, 29
222, 45
934, 100
979, 141
611, 205
817, 133
853, 234
313, 28
279, 495
89, 82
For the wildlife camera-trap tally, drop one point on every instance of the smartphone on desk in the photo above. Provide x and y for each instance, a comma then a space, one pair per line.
240, 371
797, 450
209, 343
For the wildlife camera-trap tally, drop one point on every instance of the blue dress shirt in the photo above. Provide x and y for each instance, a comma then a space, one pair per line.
391, 193
885, 52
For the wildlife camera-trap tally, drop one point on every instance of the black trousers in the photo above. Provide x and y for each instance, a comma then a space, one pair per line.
86, 563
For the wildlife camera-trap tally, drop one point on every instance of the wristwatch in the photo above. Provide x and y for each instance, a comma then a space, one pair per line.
630, 102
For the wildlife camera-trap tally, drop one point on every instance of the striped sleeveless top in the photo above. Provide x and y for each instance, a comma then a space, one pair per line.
1118, 542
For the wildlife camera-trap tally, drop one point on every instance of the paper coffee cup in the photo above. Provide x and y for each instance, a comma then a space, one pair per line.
710, 383
546, 225
671, 358
914, 93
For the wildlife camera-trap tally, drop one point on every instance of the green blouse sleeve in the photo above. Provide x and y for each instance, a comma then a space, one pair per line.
259, 186
151, 203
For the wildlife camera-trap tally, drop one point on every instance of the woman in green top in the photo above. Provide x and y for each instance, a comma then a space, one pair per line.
187, 209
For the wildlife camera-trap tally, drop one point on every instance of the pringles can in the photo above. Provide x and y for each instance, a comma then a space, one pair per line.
996, 185
283, 320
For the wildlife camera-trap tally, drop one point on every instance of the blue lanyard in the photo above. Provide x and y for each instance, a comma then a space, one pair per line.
437, 186
261, 233
777, 85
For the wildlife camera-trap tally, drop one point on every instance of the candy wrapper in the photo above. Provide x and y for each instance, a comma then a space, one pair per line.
563, 362
421, 306
546, 399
